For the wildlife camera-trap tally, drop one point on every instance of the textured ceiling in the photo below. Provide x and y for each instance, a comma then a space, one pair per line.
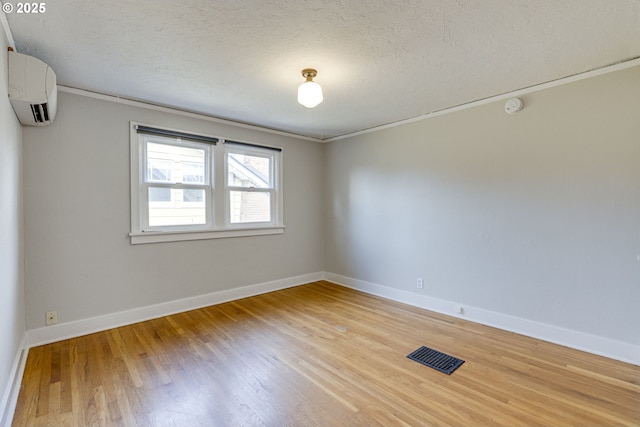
378, 61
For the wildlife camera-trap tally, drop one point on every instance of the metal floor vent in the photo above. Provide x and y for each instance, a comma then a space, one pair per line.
436, 360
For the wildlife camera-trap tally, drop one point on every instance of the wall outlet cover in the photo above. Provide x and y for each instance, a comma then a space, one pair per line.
51, 317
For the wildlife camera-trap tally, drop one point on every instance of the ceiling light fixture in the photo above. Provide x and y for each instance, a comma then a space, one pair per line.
309, 92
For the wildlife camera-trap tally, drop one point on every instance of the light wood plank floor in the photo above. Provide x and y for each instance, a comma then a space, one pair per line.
318, 355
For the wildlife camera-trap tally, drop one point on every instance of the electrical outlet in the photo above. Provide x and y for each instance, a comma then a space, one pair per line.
420, 283
52, 317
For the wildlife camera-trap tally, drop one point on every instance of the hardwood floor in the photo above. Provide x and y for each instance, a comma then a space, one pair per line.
318, 355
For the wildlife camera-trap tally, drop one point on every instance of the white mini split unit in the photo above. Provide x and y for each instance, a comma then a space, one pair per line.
32, 90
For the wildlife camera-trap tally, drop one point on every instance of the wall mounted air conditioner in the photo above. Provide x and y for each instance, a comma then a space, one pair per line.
32, 90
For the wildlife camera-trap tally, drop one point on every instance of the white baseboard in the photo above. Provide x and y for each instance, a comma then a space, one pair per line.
10, 395
574, 339
78, 328
601, 346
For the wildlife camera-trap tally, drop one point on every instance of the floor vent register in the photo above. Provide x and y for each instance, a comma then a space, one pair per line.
436, 360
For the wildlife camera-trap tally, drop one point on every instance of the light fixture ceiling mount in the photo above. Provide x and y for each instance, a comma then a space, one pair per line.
309, 92
309, 73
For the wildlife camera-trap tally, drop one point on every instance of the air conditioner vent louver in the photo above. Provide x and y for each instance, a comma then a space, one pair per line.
40, 113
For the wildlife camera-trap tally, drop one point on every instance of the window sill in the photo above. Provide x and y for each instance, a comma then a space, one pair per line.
140, 238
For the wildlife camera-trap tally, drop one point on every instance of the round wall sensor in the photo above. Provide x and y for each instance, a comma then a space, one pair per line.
513, 105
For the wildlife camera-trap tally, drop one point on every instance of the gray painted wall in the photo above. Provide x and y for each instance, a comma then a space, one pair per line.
12, 305
77, 218
535, 215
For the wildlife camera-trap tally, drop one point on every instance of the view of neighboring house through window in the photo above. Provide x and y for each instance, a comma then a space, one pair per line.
250, 185
176, 183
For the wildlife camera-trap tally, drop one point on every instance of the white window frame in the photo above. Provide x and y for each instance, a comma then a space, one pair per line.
234, 148
218, 224
144, 184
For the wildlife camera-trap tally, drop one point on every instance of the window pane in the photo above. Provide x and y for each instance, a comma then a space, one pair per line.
159, 194
250, 206
159, 170
175, 163
193, 195
249, 171
193, 173
182, 207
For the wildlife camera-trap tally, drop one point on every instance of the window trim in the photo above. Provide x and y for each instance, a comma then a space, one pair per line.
218, 208
256, 151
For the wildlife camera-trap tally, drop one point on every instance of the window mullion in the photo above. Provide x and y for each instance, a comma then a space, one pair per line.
218, 184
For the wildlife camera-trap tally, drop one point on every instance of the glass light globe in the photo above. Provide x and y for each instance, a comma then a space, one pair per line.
309, 94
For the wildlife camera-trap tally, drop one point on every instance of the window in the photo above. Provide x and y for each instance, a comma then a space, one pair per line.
186, 186
175, 199
249, 184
